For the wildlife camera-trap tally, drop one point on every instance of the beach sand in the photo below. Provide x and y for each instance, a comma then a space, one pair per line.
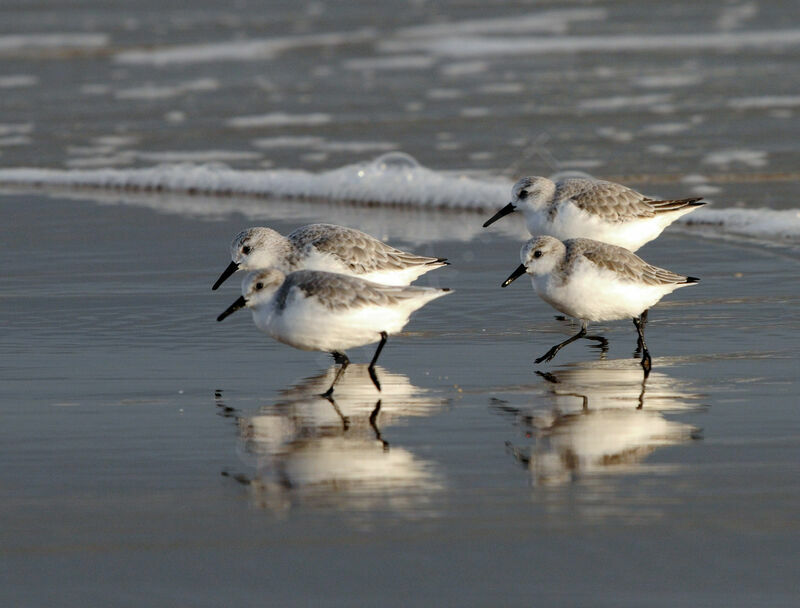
125, 402
155, 457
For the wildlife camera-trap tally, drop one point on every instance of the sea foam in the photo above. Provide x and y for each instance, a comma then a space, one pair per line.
393, 180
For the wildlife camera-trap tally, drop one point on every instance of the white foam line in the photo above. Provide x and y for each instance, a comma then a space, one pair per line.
16, 128
279, 119
554, 21
17, 81
51, 41
393, 62
765, 102
773, 225
150, 91
15, 140
197, 156
623, 102
238, 50
484, 46
392, 180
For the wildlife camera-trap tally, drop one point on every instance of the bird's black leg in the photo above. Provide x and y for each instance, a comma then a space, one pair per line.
602, 342
371, 368
643, 321
647, 362
552, 352
342, 360
373, 417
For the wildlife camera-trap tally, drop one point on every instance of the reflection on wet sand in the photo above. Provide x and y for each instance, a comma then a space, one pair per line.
306, 448
600, 417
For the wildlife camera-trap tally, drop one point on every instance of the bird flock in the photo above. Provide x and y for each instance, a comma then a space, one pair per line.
331, 288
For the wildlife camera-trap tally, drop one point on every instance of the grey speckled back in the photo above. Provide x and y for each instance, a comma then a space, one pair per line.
339, 292
360, 252
624, 263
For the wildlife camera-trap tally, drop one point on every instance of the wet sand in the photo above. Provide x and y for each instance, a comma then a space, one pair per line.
153, 456
145, 441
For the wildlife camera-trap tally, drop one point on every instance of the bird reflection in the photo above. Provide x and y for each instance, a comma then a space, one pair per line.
600, 417
308, 448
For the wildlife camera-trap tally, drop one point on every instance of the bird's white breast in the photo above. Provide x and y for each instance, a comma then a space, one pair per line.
596, 294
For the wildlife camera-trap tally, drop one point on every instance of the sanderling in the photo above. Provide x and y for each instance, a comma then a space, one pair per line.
594, 209
317, 310
326, 247
594, 281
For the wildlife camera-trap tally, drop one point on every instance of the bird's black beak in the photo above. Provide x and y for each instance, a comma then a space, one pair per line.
232, 267
510, 208
514, 275
240, 303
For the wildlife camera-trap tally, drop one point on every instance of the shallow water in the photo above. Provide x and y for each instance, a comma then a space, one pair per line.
130, 414
154, 456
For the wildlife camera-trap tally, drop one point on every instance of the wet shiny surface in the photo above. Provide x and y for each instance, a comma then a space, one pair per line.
155, 457
669, 97
146, 441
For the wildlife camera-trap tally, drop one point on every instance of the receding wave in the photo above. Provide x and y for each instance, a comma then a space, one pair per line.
393, 180
54, 41
488, 46
238, 50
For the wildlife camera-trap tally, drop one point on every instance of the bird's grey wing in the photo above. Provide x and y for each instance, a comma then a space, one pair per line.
625, 264
607, 200
360, 252
669, 205
338, 292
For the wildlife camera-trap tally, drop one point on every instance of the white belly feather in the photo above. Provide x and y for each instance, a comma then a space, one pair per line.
308, 325
594, 294
572, 222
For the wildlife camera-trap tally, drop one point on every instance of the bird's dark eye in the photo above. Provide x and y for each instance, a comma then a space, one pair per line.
537, 253
246, 249
523, 195
259, 286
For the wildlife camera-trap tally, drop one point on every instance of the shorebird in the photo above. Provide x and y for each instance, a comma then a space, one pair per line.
326, 247
594, 281
324, 311
594, 209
